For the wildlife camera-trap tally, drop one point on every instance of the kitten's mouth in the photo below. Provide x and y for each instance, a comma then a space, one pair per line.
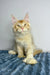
21, 31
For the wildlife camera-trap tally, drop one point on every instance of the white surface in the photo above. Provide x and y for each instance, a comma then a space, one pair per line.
39, 12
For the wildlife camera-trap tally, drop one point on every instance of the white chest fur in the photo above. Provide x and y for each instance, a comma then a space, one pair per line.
23, 40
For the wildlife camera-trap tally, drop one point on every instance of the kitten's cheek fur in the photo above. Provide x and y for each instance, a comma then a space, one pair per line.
14, 30
20, 30
25, 30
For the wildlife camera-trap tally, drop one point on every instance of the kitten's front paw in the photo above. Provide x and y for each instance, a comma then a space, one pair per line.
30, 61
21, 56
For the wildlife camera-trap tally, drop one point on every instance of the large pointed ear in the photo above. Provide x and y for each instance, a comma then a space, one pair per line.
26, 18
14, 20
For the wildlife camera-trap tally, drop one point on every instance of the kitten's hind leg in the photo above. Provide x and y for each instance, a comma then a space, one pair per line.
12, 52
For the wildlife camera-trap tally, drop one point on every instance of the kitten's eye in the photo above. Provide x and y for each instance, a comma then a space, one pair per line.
24, 24
18, 25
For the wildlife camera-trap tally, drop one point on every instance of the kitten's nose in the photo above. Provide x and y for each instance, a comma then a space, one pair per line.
22, 28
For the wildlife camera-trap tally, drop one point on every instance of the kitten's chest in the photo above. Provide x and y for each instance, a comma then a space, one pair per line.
20, 41
23, 41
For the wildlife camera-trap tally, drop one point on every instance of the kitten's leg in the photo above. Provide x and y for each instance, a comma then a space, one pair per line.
20, 51
30, 59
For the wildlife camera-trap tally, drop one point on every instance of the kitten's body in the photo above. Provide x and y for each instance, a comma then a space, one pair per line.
24, 41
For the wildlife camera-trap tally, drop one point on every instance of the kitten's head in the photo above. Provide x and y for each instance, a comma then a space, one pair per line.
21, 26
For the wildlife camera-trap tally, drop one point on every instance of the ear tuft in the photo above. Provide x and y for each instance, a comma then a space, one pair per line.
14, 20
26, 18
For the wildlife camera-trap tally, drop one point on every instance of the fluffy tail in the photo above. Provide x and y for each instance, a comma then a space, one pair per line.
38, 51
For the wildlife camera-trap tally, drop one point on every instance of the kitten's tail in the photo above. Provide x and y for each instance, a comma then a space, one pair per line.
37, 51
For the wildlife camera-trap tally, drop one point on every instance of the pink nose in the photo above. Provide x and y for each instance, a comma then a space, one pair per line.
22, 28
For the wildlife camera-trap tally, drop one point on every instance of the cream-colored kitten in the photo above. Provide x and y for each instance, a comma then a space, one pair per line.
23, 39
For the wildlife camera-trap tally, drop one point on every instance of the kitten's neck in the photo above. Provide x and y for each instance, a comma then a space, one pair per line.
21, 35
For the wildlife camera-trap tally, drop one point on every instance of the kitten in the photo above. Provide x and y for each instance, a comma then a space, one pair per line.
23, 39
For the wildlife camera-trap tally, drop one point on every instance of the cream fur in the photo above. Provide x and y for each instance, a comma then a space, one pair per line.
24, 41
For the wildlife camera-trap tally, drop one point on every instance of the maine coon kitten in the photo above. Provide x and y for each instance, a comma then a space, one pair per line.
23, 39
